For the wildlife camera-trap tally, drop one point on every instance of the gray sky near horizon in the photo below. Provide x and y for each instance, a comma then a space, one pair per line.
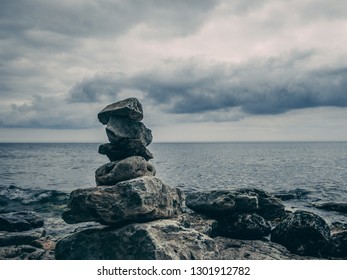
204, 70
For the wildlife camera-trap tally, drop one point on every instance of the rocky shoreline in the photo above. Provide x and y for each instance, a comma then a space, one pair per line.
132, 214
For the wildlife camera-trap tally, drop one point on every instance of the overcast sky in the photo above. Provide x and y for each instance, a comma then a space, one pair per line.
204, 70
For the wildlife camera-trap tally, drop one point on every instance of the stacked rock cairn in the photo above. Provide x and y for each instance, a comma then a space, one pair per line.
127, 190
139, 217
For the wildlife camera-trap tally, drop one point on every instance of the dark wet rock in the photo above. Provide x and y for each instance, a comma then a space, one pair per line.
138, 200
303, 233
338, 245
116, 152
158, 240
332, 206
235, 249
199, 222
20, 221
117, 171
336, 227
129, 108
217, 204
25, 252
243, 226
20, 238
32, 245
292, 194
125, 132
3, 201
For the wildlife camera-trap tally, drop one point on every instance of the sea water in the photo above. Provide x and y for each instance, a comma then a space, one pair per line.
305, 173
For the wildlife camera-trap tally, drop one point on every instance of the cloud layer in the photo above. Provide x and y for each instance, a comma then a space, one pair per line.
188, 61
268, 86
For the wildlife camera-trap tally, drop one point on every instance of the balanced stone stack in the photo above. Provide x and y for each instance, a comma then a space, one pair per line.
126, 196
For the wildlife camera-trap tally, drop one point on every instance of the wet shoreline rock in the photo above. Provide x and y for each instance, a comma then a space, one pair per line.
238, 249
338, 245
20, 221
22, 237
138, 200
332, 206
303, 233
158, 240
244, 226
217, 204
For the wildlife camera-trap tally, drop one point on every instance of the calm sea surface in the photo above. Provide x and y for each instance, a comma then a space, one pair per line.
310, 172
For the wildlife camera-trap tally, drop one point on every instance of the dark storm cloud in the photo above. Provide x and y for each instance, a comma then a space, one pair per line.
100, 18
268, 86
93, 89
263, 86
38, 32
46, 46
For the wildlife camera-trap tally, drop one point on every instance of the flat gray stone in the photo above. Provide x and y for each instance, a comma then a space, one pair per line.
129, 108
218, 204
158, 240
137, 200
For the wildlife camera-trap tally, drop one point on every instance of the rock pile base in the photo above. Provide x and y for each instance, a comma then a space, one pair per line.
141, 217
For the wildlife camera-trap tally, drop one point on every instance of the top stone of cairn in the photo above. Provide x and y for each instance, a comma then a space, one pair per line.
129, 108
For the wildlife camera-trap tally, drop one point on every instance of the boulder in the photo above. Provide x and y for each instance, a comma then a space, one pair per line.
19, 238
218, 204
33, 245
336, 227
297, 193
199, 222
236, 249
158, 240
138, 200
127, 133
129, 108
243, 226
303, 233
332, 206
116, 152
117, 171
338, 245
20, 221
25, 252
